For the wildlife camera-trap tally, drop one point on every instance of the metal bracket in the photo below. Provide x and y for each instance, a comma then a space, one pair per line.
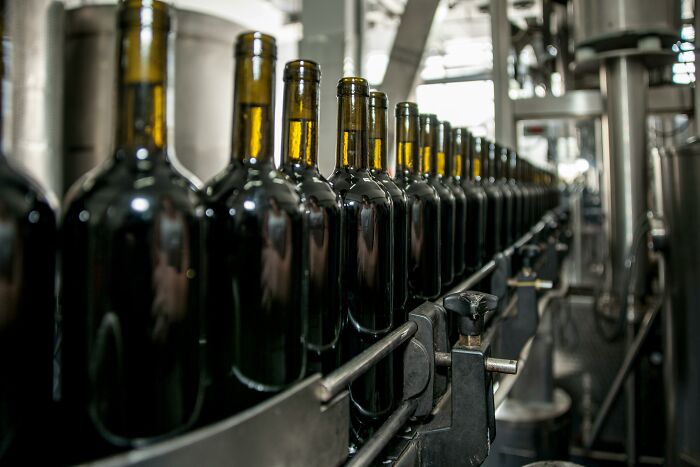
419, 357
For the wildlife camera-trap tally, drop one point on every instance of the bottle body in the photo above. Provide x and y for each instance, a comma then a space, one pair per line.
257, 304
368, 294
131, 304
325, 221
28, 240
475, 249
132, 267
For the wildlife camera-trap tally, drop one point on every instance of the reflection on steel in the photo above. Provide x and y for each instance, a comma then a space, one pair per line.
621, 376
339, 379
382, 437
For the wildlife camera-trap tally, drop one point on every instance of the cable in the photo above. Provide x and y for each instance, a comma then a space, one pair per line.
642, 227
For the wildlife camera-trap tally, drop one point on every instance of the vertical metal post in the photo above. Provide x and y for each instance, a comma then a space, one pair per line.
333, 38
624, 86
500, 37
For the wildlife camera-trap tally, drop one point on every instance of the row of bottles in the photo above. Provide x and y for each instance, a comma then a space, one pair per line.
179, 306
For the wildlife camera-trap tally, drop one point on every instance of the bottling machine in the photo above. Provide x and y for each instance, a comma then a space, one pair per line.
509, 391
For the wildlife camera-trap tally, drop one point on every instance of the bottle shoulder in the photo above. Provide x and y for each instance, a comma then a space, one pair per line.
443, 190
241, 182
395, 191
20, 194
116, 184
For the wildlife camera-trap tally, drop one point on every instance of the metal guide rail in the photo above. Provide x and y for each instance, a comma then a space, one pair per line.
452, 418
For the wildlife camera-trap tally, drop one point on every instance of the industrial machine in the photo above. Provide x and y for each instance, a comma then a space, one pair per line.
574, 343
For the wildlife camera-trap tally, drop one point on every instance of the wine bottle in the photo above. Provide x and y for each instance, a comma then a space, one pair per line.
323, 210
470, 180
501, 166
378, 121
494, 199
423, 209
132, 266
434, 170
518, 205
28, 240
450, 179
257, 301
368, 257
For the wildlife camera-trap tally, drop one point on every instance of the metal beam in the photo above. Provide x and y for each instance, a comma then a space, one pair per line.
407, 52
333, 38
589, 103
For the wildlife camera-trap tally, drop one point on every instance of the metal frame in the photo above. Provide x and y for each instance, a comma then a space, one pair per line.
308, 423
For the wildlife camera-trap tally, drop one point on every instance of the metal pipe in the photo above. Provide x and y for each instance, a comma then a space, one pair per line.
500, 365
621, 375
624, 86
443, 359
386, 432
501, 40
339, 379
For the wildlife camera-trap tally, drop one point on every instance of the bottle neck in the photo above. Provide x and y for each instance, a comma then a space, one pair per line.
489, 159
443, 158
351, 147
475, 162
408, 157
141, 118
428, 148
300, 130
377, 139
253, 109
501, 165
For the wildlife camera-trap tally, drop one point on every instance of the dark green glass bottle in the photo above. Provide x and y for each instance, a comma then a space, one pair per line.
368, 257
501, 175
378, 121
494, 198
470, 180
434, 170
258, 258
518, 205
323, 210
423, 209
132, 266
453, 161
28, 240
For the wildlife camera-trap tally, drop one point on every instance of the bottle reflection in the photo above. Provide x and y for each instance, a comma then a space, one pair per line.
10, 268
170, 268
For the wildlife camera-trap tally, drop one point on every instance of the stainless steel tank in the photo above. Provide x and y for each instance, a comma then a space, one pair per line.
619, 21
200, 90
681, 200
33, 116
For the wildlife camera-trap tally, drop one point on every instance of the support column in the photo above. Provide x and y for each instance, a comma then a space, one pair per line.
501, 40
624, 87
332, 37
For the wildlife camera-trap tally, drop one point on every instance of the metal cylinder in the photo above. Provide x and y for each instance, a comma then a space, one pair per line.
34, 115
615, 24
624, 86
200, 90
681, 199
